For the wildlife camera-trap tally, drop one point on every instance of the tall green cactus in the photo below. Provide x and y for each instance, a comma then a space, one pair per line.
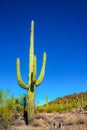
32, 82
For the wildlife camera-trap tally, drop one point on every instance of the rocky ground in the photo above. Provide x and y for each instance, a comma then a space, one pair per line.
54, 121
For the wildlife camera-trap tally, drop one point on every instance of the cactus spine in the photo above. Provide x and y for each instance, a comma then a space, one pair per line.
32, 82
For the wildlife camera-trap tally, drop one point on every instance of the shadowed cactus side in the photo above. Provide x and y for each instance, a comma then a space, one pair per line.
32, 82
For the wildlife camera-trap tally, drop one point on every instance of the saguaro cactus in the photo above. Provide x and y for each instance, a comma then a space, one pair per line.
32, 82
46, 100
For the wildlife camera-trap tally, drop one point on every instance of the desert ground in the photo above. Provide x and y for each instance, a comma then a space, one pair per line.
75, 120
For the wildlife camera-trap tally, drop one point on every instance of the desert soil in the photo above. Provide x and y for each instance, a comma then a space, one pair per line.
51, 121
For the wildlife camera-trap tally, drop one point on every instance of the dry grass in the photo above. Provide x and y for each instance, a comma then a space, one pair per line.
45, 121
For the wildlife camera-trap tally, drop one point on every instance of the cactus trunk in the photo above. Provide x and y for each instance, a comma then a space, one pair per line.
32, 82
31, 104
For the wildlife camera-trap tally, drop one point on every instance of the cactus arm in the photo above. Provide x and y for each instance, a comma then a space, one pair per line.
19, 78
39, 80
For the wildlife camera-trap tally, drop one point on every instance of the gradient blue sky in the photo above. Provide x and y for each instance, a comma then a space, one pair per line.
60, 30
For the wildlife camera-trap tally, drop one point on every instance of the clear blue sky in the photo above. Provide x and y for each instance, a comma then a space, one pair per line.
60, 30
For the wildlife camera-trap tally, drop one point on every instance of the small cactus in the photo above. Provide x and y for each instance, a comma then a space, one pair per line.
46, 100
32, 82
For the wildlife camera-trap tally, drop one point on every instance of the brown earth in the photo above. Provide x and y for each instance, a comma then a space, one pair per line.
75, 120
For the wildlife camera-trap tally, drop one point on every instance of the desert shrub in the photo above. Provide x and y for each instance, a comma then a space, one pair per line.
50, 108
85, 107
3, 97
57, 107
5, 117
10, 108
81, 121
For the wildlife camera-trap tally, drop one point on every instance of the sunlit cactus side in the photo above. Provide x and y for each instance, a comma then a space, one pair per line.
32, 82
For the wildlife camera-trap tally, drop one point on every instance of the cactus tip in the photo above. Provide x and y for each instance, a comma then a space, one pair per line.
32, 22
44, 56
18, 59
45, 53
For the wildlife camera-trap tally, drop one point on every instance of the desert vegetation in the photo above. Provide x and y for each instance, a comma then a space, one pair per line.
71, 110
10, 109
67, 103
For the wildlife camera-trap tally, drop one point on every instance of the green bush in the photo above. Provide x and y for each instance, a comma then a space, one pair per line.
5, 117
10, 108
